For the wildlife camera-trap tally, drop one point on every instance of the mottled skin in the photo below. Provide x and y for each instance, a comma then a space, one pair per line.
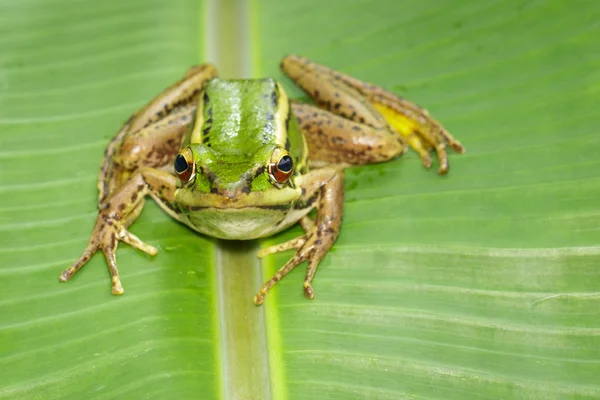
217, 155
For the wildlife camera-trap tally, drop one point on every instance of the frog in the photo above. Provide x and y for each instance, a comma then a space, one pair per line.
237, 159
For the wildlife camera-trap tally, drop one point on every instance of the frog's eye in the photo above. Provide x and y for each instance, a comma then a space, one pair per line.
184, 165
281, 166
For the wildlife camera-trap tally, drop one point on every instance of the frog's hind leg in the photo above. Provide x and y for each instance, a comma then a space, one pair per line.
332, 139
368, 104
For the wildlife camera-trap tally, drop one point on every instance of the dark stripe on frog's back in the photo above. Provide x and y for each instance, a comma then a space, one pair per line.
239, 114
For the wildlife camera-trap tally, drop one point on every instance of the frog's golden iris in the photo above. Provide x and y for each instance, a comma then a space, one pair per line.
281, 166
184, 165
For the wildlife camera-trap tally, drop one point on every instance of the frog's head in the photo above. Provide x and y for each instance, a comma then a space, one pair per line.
245, 146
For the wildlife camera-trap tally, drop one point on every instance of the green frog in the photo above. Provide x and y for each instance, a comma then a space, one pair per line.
238, 160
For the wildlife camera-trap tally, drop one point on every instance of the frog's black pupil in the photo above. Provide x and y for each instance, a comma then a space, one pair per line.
285, 164
180, 164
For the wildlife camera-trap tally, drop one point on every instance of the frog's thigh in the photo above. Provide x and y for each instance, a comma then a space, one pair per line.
157, 144
178, 98
153, 146
333, 139
180, 93
370, 104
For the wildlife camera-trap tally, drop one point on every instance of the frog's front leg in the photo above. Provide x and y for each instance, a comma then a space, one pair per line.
117, 212
134, 165
324, 188
370, 105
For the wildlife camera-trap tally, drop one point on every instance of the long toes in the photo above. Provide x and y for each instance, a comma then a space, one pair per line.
111, 260
426, 160
452, 142
425, 141
459, 148
137, 243
280, 274
290, 244
418, 145
443, 158
77, 265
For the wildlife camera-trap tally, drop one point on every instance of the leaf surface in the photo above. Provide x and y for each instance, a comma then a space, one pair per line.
481, 284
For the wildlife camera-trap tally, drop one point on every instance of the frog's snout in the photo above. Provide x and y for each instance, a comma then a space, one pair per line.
230, 194
233, 191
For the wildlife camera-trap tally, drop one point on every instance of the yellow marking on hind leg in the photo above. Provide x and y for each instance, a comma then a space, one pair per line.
421, 137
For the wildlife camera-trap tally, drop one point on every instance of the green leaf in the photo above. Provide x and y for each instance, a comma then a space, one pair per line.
480, 284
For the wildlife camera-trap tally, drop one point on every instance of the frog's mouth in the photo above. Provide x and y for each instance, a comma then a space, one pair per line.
270, 199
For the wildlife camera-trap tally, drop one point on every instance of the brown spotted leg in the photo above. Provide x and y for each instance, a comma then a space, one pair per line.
371, 105
118, 212
179, 98
307, 225
335, 140
134, 165
331, 140
327, 185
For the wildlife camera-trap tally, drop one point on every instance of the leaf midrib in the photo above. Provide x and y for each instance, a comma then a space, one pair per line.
242, 343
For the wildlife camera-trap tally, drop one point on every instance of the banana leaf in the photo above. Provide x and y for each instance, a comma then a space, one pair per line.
481, 284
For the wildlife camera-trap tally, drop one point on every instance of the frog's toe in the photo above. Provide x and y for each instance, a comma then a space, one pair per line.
137, 243
283, 271
105, 238
417, 128
417, 144
259, 299
424, 141
68, 273
117, 287
109, 249
289, 245
443, 158
309, 293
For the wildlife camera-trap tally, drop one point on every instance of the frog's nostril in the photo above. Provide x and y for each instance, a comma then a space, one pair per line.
230, 194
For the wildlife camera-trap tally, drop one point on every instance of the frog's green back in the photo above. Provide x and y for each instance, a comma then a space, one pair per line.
238, 125
239, 116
